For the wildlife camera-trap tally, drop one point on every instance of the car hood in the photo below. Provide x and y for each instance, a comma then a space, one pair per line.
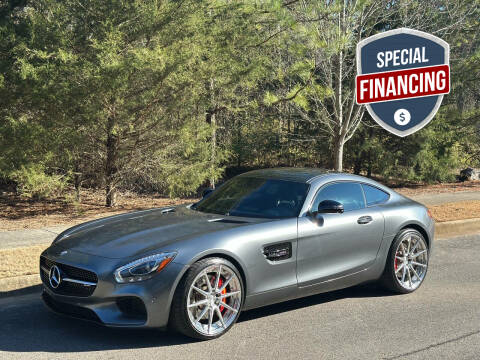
137, 233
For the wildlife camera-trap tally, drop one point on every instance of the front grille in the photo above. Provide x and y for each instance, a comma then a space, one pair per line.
69, 309
69, 272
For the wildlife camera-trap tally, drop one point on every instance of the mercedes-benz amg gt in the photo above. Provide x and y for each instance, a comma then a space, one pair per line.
263, 237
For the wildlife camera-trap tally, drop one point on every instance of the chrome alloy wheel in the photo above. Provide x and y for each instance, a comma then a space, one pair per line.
214, 299
411, 261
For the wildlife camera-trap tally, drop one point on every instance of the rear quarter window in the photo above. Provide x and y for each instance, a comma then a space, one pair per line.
374, 196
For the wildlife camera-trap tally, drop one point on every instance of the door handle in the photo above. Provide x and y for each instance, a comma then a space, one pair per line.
364, 219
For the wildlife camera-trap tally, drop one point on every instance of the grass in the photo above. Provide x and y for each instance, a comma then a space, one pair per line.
20, 261
459, 210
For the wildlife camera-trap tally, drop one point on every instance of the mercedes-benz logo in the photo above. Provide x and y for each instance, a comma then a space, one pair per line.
54, 277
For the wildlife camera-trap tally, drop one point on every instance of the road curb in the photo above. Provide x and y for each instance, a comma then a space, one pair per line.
454, 228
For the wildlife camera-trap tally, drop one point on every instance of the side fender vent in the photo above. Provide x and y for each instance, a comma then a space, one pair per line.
278, 252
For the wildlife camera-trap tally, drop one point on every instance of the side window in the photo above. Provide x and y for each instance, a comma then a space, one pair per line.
347, 193
374, 196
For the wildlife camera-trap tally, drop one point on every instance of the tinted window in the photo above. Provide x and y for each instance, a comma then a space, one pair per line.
255, 197
374, 196
348, 193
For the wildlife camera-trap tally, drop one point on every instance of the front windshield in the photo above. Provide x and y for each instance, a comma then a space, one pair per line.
256, 197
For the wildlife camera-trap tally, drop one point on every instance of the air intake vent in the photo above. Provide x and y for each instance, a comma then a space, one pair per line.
278, 252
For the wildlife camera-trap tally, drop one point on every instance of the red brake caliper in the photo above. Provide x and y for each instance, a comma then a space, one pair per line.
224, 291
395, 265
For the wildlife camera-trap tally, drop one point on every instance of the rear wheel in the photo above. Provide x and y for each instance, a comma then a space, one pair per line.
208, 300
407, 262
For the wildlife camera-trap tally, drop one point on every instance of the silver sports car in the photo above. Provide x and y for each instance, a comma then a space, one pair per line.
262, 237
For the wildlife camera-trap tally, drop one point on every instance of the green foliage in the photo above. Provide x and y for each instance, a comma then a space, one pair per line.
180, 167
166, 95
33, 182
430, 155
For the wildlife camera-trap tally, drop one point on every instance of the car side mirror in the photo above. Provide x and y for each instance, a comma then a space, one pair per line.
206, 192
330, 207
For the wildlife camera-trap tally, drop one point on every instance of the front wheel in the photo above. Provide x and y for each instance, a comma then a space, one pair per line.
407, 262
208, 300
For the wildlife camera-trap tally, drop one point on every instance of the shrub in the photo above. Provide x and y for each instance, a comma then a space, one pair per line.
33, 182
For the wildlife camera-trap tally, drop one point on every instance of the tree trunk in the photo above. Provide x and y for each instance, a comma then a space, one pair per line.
370, 160
357, 166
111, 196
338, 152
214, 148
213, 122
111, 165
342, 123
77, 182
369, 166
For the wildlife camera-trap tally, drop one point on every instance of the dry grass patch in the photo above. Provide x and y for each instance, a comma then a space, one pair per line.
459, 210
20, 261
422, 189
21, 213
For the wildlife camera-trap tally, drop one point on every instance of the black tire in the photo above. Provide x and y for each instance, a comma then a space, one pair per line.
179, 319
389, 279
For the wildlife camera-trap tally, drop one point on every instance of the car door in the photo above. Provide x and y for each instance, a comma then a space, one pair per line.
340, 243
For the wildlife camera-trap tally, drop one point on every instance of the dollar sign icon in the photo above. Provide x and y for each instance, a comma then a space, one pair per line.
402, 117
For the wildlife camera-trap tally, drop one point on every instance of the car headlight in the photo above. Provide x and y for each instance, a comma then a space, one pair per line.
144, 268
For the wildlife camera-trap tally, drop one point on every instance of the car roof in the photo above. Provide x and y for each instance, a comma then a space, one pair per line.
304, 175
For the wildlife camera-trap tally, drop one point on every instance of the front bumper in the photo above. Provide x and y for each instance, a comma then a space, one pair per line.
140, 304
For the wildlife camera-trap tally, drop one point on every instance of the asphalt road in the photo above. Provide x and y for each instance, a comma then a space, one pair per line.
442, 198
439, 321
